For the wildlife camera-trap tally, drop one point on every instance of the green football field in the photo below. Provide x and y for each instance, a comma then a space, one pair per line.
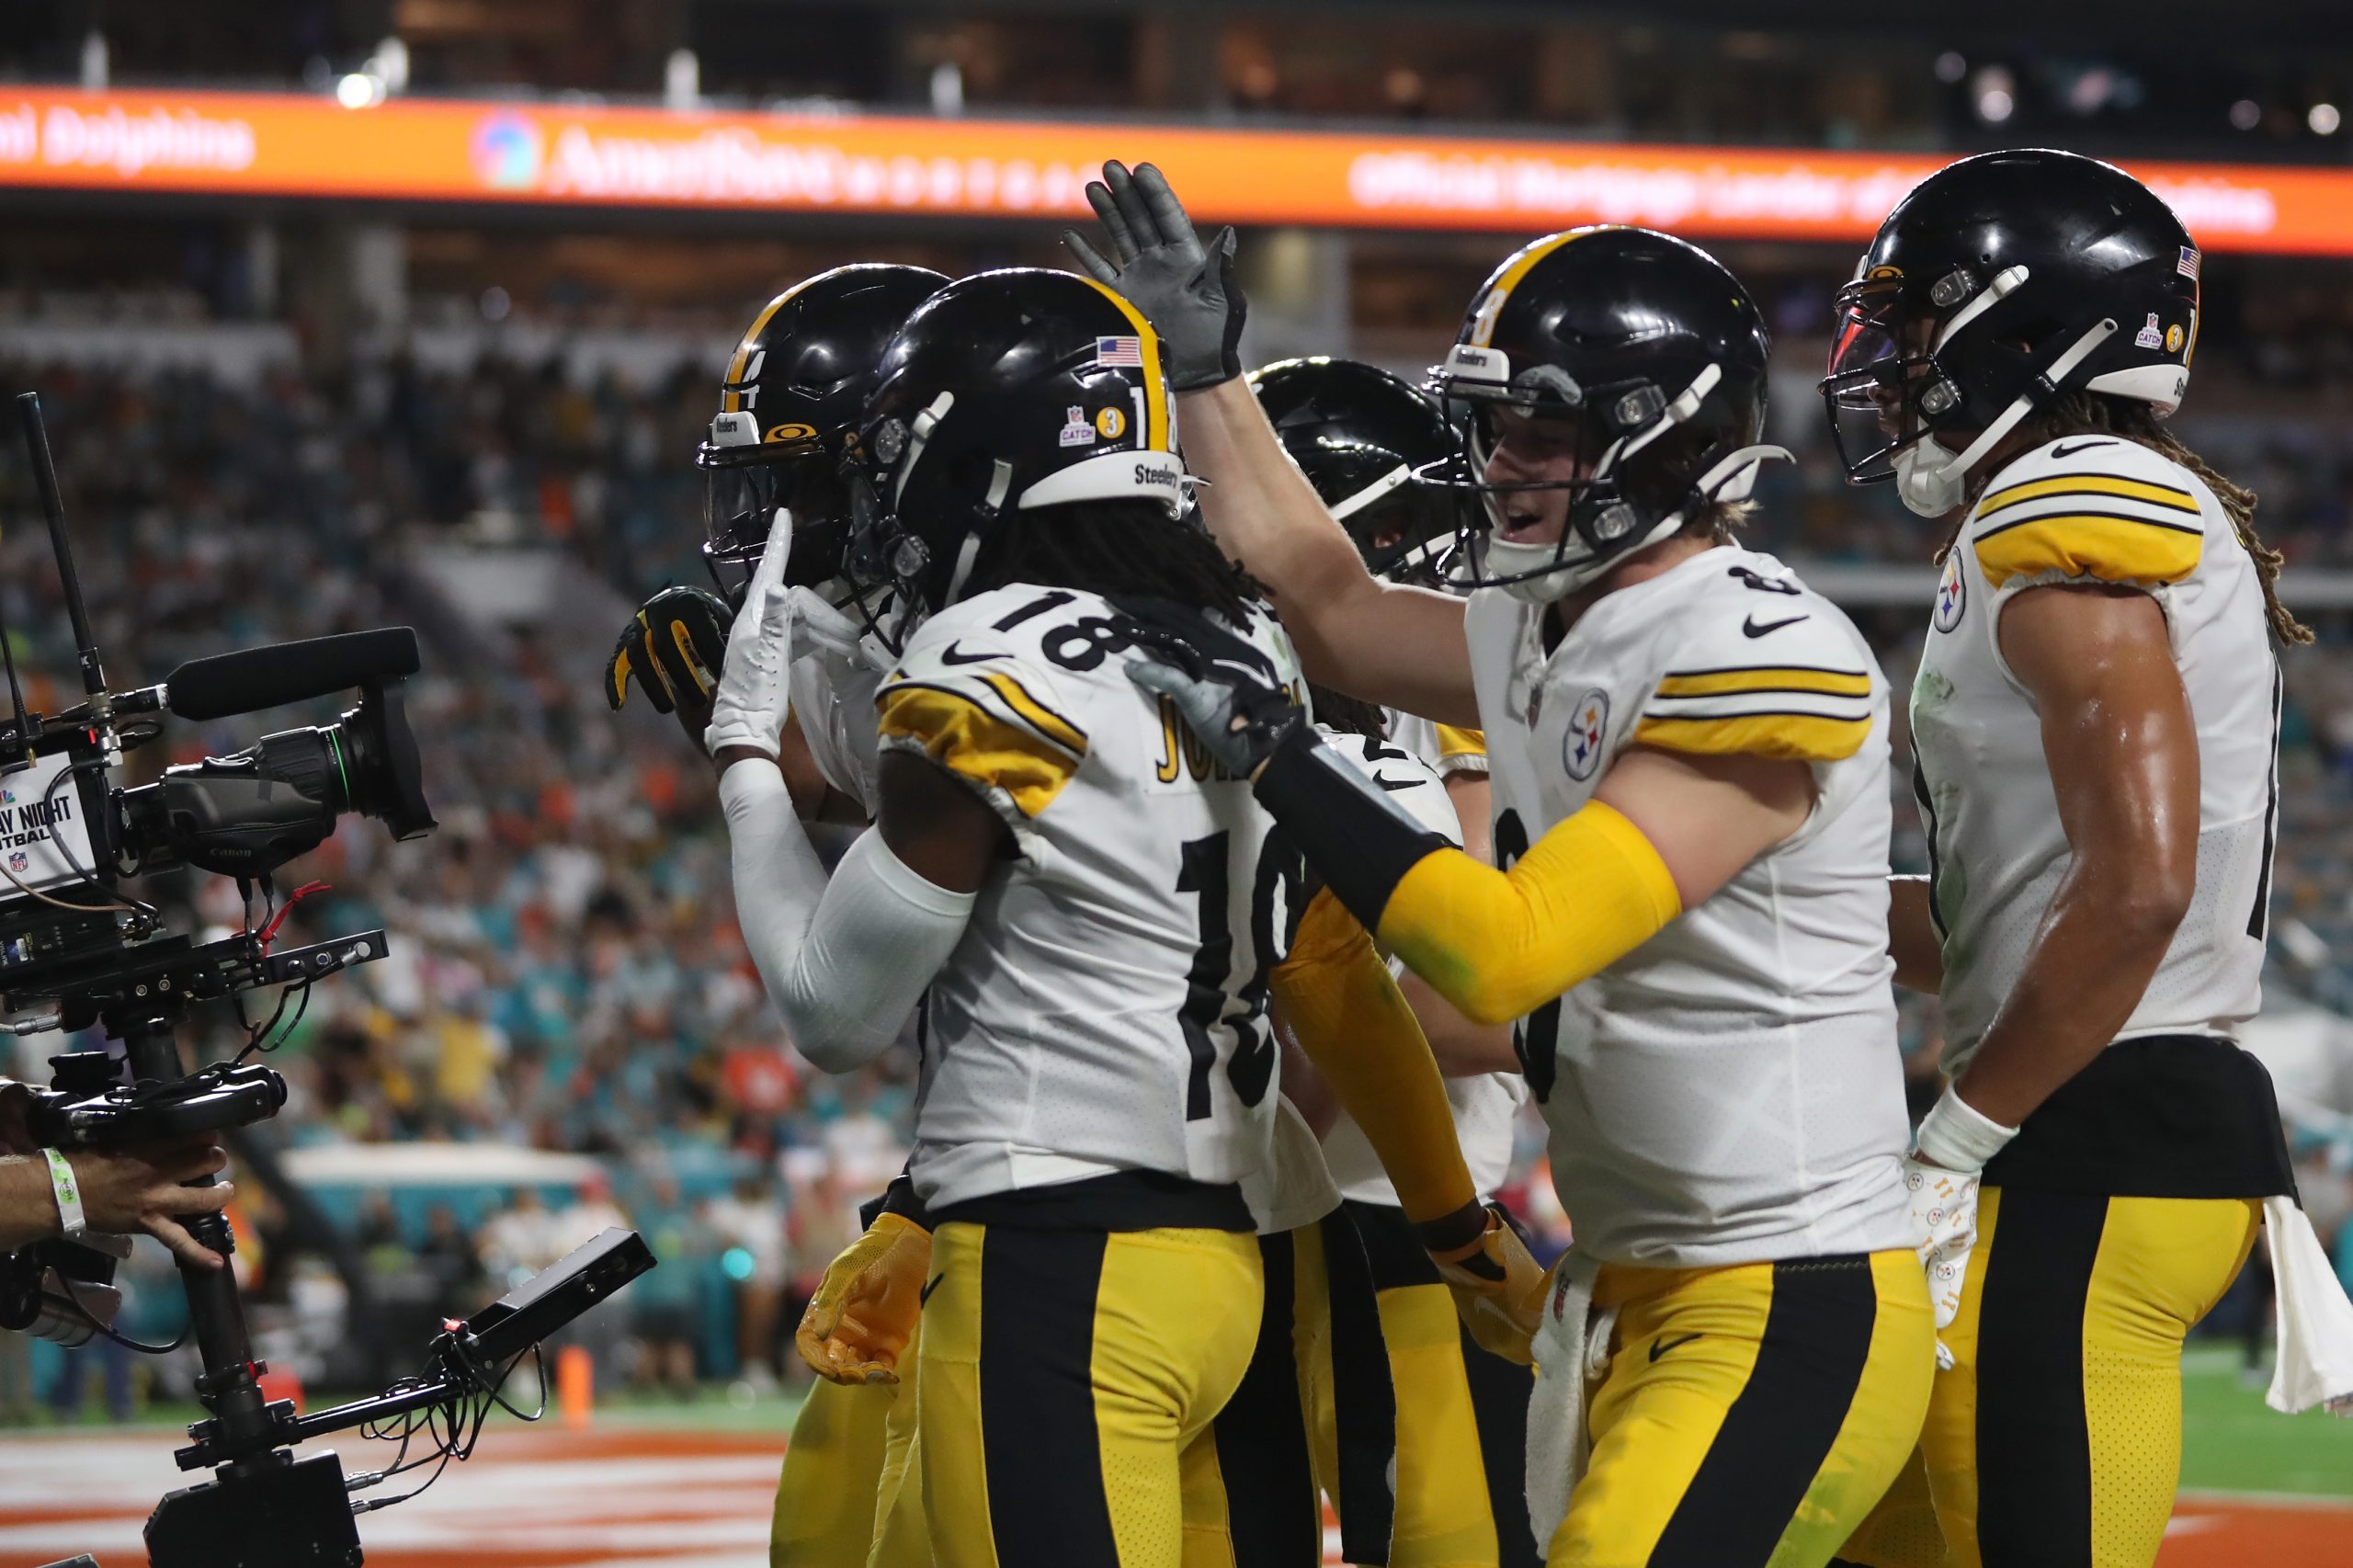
2232, 1441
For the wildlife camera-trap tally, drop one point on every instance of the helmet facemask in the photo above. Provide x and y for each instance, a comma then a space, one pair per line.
1920, 390
1635, 451
743, 487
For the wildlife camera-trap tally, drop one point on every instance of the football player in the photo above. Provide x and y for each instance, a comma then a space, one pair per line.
1100, 917
788, 406
1374, 446
2095, 723
1690, 759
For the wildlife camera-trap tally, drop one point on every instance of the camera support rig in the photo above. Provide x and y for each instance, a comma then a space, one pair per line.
70, 966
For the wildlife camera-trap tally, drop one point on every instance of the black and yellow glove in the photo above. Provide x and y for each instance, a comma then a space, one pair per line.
863, 1316
675, 647
1498, 1288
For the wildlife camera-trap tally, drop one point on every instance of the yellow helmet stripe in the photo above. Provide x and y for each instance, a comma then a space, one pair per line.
1155, 435
730, 401
1490, 303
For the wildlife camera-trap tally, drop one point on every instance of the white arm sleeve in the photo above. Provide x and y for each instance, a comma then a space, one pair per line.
843, 960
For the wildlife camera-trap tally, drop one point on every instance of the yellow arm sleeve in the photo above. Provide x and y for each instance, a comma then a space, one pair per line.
1499, 944
1345, 1009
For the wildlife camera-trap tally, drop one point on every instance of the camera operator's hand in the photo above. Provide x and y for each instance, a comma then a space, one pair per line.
748, 710
123, 1193
673, 648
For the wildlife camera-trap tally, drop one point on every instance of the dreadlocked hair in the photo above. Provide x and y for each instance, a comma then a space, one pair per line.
1114, 548
2082, 413
1339, 711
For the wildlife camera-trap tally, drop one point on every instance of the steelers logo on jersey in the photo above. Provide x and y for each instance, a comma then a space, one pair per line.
1588, 722
1952, 593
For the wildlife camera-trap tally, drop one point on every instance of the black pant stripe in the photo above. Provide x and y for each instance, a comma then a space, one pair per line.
1270, 1500
1785, 1419
1364, 1398
1499, 1390
1038, 1433
2034, 1445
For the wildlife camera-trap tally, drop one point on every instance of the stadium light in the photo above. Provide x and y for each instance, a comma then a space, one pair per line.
2324, 119
360, 89
1994, 102
1951, 66
2246, 114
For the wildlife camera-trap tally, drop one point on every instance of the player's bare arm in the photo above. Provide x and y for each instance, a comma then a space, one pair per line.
1387, 642
2123, 753
1399, 646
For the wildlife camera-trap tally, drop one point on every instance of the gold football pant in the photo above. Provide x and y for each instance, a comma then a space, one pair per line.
1462, 1484
1751, 1414
2055, 1439
1069, 1378
825, 1498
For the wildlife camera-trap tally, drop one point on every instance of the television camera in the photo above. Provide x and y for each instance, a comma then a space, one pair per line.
78, 950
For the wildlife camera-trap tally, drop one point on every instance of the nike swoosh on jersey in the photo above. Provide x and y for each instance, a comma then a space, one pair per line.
1661, 1347
923, 1298
2079, 446
1750, 628
952, 655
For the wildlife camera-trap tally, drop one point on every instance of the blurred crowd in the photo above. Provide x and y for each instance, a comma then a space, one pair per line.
566, 977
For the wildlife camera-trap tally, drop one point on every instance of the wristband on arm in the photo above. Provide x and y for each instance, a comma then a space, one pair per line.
68, 1192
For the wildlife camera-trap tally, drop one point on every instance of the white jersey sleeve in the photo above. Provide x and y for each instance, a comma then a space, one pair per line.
1448, 749
832, 684
1771, 680
973, 700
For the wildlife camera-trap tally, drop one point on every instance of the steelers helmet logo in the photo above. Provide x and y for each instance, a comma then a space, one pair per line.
1111, 424
1581, 744
1952, 593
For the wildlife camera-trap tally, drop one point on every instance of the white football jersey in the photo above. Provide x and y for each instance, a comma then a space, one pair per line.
1730, 1091
1106, 1008
832, 693
2094, 508
1446, 748
1485, 1106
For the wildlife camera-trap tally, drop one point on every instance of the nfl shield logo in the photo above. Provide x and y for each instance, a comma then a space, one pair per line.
1589, 724
20, 861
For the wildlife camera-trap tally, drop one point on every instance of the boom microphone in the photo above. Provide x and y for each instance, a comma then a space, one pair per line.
250, 678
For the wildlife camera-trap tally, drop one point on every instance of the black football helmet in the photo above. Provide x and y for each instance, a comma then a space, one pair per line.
786, 409
1376, 451
1006, 390
1652, 353
1999, 283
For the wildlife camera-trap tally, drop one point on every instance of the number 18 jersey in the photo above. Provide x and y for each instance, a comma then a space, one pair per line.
1105, 1009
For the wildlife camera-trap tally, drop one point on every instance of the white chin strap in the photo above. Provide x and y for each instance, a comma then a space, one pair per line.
1932, 480
1730, 478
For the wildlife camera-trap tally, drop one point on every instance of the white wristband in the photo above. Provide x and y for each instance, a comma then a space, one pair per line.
1959, 1137
68, 1190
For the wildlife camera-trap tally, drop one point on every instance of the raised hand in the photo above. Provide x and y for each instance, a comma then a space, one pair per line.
1183, 288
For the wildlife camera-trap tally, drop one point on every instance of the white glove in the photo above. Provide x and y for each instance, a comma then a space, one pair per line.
820, 628
749, 706
1940, 1176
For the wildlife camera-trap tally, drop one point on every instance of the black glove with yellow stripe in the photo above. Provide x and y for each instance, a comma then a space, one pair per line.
674, 648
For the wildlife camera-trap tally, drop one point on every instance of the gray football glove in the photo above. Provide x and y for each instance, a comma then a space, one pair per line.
1223, 687
1185, 289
